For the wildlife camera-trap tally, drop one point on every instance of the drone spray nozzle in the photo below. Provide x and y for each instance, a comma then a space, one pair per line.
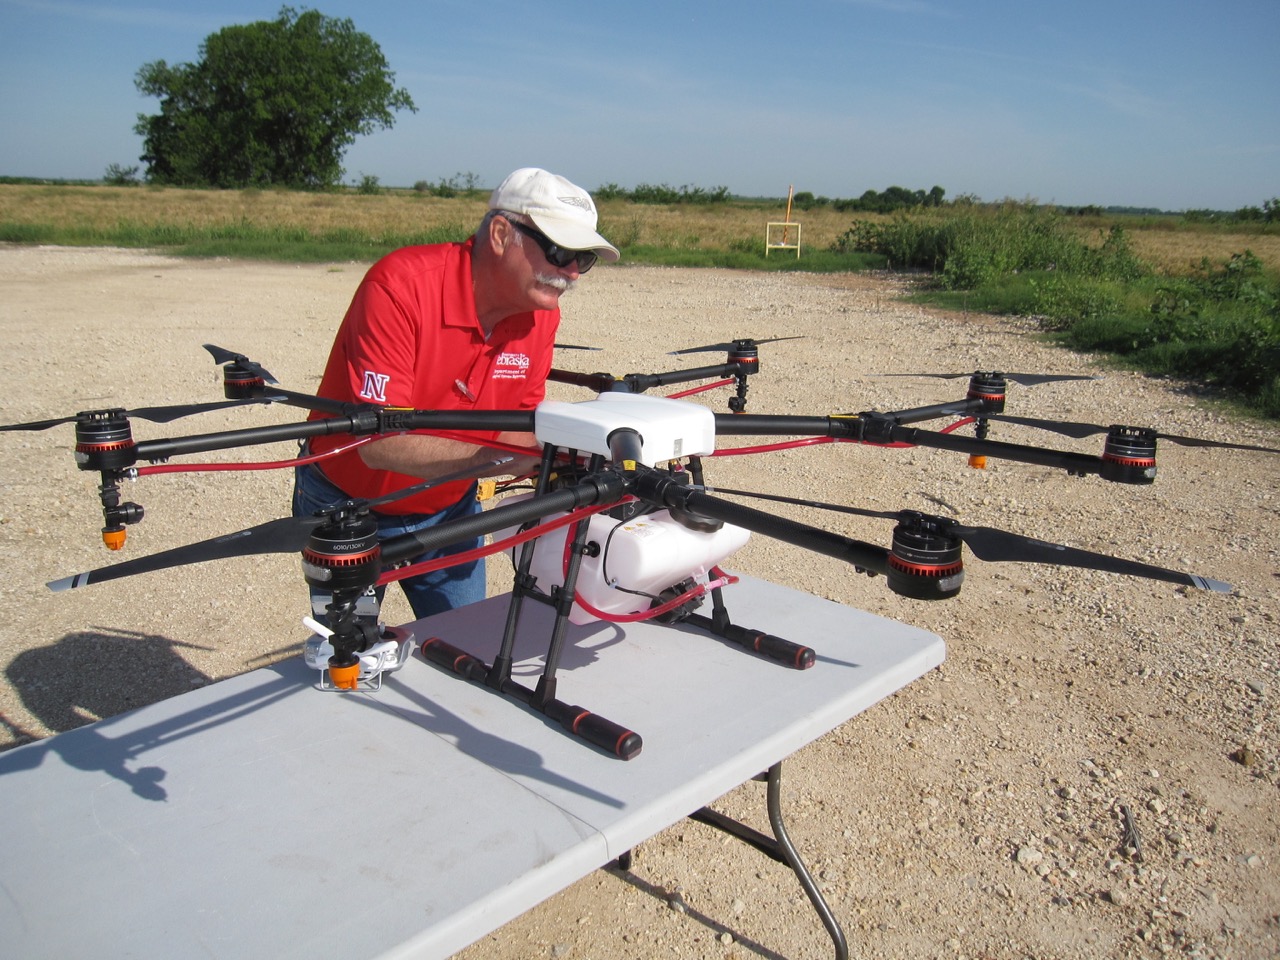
925, 560
115, 515
1129, 455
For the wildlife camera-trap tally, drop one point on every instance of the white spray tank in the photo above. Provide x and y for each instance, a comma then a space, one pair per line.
646, 553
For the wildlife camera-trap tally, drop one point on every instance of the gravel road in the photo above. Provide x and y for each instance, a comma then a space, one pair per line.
981, 813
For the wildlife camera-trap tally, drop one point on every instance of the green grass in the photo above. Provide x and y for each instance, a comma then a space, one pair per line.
251, 242
1219, 329
817, 261
301, 245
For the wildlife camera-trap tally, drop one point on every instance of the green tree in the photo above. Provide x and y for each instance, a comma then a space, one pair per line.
275, 102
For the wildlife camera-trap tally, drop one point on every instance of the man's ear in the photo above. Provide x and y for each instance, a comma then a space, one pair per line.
500, 235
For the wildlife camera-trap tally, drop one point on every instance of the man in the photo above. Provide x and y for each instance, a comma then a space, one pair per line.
454, 326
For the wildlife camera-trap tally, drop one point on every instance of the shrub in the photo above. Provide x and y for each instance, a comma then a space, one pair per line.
609, 191
120, 176
665, 194
969, 247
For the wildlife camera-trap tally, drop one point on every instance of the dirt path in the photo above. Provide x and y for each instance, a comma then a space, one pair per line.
978, 814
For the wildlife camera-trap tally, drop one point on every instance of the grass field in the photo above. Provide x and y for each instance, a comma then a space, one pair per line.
350, 225
1188, 302
129, 215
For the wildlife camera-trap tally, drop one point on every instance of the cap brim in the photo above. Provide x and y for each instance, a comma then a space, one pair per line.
574, 236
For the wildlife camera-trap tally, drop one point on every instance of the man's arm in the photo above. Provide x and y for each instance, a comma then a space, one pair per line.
417, 455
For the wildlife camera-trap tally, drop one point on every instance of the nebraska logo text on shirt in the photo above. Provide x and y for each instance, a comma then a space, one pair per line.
375, 387
511, 366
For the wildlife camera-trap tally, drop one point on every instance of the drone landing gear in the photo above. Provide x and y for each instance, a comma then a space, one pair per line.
777, 847
595, 729
613, 738
605, 734
757, 641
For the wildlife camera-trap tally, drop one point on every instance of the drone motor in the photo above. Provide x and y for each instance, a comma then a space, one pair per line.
239, 383
104, 441
925, 560
344, 553
1129, 455
989, 389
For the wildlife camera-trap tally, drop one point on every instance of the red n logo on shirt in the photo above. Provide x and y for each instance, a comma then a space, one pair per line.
375, 387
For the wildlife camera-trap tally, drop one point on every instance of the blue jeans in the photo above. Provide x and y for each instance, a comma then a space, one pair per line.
428, 593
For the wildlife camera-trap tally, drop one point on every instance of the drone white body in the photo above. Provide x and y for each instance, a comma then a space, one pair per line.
669, 429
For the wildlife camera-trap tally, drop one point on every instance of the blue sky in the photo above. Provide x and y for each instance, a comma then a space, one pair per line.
1169, 104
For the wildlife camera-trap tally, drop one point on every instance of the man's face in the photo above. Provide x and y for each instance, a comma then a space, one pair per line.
541, 282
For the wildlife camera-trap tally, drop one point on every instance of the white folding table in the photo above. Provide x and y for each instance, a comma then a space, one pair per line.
261, 817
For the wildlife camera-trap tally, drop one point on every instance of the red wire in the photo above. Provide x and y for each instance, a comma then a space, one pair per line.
770, 447
702, 389
496, 444
262, 465
426, 566
808, 441
724, 579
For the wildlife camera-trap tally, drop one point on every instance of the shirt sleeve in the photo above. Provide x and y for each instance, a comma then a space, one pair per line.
381, 347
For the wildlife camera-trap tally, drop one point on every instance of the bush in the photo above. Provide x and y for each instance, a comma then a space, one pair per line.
120, 176
609, 191
1220, 326
664, 194
973, 246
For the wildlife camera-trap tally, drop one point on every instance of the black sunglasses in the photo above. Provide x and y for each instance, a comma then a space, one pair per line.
557, 255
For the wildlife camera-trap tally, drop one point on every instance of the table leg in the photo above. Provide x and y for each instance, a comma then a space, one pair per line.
780, 848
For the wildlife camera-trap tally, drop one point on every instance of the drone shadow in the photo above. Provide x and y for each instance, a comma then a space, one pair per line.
501, 753
582, 646
98, 673
94, 749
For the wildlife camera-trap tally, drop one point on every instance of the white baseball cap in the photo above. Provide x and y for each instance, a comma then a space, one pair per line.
560, 209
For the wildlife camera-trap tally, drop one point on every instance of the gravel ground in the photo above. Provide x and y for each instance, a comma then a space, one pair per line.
980, 813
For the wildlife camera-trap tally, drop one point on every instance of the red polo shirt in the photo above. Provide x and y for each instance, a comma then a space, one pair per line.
411, 338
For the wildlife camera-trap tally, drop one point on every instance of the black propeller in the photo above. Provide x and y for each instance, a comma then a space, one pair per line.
1081, 430
285, 535
221, 356
1026, 379
732, 345
154, 414
997, 546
